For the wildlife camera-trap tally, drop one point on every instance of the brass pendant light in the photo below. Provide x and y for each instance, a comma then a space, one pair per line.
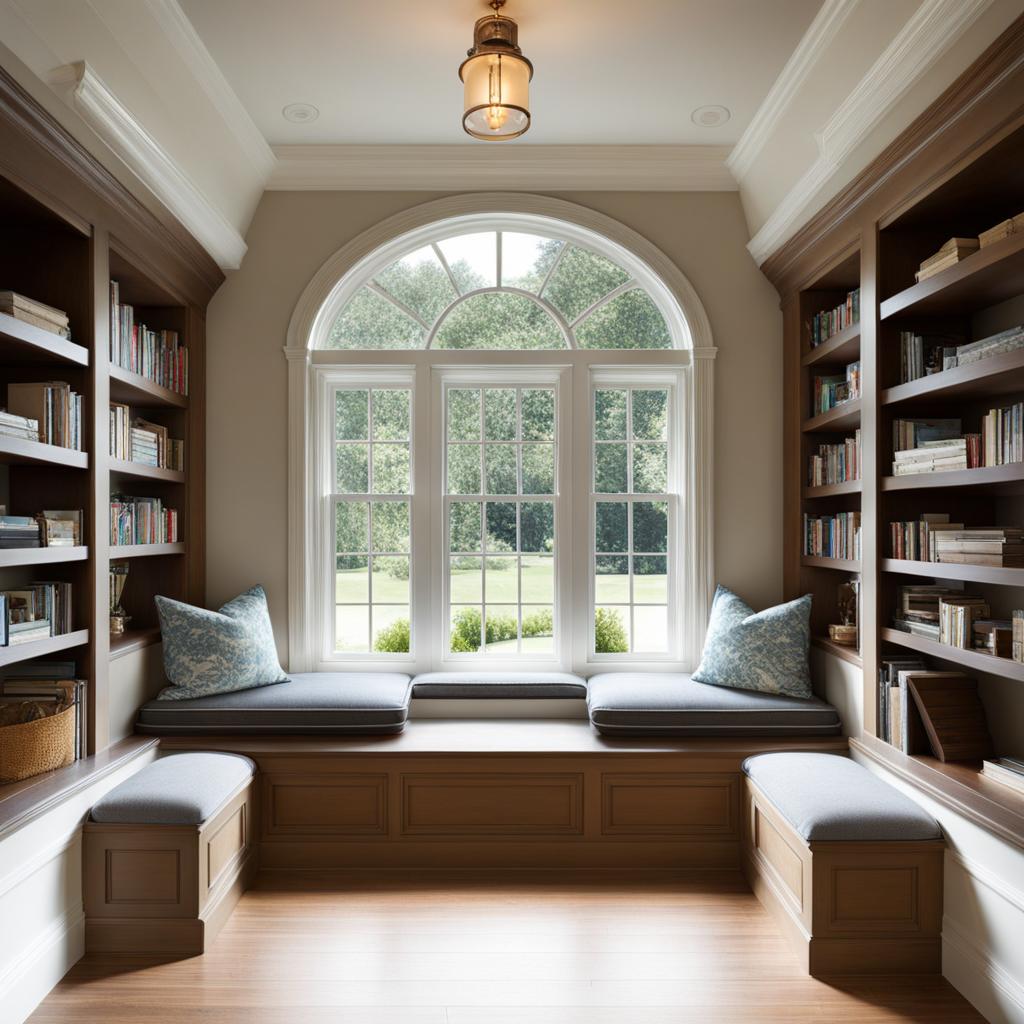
496, 77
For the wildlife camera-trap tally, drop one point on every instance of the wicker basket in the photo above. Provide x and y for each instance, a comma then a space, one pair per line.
35, 747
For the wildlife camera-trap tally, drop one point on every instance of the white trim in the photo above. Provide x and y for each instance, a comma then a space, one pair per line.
992, 881
27, 868
933, 28
667, 286
154, 166
986, 984
181, 34
812, 46
525, 167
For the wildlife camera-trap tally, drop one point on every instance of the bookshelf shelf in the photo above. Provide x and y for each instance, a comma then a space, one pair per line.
23, 343
119, 551
11, 557
998, 375
850, 654
15, 450
134, 389
133, 640
842, 417
954, 571
38, 648
843, 348
842, 564
983, 476
985, 278
831, 490
977, 660
143, 472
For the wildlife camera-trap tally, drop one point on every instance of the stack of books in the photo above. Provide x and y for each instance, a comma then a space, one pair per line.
35, 313
142, 521
19, 532
936, 457
915, 540
23, 427
1002, 433
995, 344
156, 355
1002, 547
957, 615
142, 441
835, 389
1008, 771
50, 681
61, 528
832, 536
835, 463
1002, 230
54, 406
921, 356
917, 609
951, 253
830, 322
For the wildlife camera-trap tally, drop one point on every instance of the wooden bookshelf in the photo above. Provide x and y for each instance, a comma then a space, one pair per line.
947, 176
850, 654
68, 229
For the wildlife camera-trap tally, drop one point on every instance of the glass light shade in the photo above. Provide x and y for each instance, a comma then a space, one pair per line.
497, 96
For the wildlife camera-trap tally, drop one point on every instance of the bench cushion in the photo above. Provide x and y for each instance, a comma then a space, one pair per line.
471, 685
828, 797
333, 703
673, 704
184, 789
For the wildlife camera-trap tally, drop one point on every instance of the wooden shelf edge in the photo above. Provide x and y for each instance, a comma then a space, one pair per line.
23, 802
133, 640
979, 661
37, 648
20, 450
955, 571
836, 347
144, 550
850, 654
842, 564
11, 557
999, 813
143, 472
51, 345
141, 390
839, 418
959, 378
1012, 472
830, 490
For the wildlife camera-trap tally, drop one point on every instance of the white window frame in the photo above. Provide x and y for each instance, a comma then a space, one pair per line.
310, 366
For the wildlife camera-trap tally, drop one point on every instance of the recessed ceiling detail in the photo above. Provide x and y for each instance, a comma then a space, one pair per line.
711, 116
300, 113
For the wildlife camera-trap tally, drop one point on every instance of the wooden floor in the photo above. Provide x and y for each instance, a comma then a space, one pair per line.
304, 949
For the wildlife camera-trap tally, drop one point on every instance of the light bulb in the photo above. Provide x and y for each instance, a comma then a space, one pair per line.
496, 118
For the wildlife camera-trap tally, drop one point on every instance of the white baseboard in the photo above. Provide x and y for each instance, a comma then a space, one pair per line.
992, 990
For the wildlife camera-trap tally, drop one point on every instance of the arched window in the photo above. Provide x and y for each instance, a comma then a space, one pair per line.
493, 428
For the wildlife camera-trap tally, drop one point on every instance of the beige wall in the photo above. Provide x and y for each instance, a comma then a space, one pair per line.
293, 233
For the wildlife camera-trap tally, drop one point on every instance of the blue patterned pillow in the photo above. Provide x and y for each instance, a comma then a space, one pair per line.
217, 652
764, 651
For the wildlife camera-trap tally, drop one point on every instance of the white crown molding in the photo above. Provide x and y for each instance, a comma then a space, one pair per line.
147, 159
815, 41
181, 34
928, 34
523, 167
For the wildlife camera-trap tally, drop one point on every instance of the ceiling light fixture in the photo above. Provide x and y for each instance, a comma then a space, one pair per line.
497, 77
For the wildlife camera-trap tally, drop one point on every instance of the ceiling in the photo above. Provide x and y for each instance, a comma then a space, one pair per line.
606, 72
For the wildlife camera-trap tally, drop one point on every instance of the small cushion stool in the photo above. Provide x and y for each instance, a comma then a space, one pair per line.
849, 866
168, 853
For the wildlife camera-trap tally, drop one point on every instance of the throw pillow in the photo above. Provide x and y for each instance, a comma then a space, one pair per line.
209, 652
764, 651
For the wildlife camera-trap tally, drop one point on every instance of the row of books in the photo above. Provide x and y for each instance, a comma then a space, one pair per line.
835, 463
933, 538
893, 722
35, 313
50, 683
1002, 435
939, 456
924, 355
51, 528
948, 615
142, 441
142, 521
53, 408
1003, 229
35, 612
830, 322
832, 536
157, 355
835, 389
949, 254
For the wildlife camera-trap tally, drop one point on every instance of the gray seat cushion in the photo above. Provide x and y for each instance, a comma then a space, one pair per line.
332, 703
471, 685
673, 704
184, 789
828, 797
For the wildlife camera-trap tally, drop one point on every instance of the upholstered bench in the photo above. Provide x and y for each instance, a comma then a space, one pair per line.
315, 703
499, 685
849, 866
673, 704
168, 853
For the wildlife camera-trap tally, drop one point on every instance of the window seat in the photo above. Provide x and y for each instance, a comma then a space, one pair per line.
499, 686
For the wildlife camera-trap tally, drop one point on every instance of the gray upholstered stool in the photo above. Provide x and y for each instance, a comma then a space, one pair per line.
850, 867
168, 853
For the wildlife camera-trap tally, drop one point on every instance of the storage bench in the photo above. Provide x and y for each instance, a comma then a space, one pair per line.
168, 853
850, 868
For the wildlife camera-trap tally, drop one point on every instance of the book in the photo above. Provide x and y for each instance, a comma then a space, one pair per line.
56, 408
832, 536
957, 615
142, 521
1002, 230
913, 433
835, 463
61, 528
157, 355
889, 711
830, 322
35, 313
950, 253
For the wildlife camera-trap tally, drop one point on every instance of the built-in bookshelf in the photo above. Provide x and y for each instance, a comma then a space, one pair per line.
935, 343
64, 253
